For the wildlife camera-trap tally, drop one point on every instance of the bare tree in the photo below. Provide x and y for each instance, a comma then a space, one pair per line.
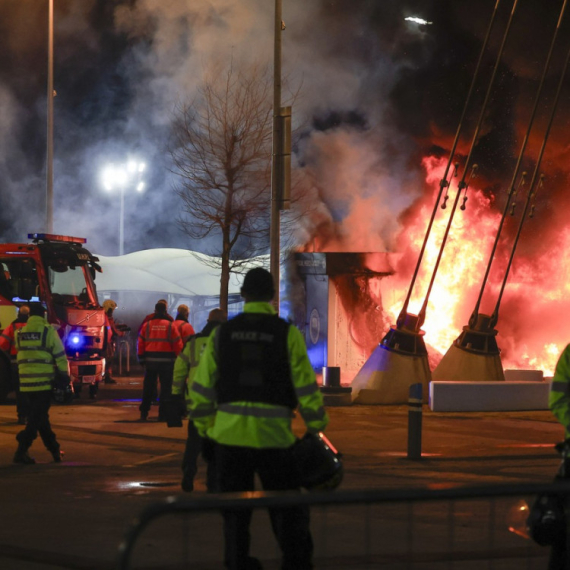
221, 152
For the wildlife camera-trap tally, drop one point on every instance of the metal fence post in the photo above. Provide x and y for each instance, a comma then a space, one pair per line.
415, 422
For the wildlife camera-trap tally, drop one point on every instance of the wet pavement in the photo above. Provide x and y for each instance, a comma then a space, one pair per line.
75, 514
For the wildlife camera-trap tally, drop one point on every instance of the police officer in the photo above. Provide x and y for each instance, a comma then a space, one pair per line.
184, 372
8, 345
158, 346
41, 356
252, 376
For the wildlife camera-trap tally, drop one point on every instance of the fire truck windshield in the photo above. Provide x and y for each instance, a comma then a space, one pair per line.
71, 285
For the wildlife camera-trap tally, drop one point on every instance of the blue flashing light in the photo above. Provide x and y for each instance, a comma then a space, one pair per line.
75, 340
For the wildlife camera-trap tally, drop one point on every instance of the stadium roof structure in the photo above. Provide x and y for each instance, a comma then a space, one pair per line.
167, 270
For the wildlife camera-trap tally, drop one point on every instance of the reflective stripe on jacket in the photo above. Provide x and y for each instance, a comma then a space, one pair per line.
40, 354
159, 342
559, 397
256, 424
186, 365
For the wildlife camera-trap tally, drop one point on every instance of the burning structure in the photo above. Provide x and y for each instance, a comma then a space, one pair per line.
456, 251
337, 300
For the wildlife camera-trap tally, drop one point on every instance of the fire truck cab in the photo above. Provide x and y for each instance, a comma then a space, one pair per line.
58, 272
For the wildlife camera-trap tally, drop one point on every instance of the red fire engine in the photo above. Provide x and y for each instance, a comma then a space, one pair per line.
58, 272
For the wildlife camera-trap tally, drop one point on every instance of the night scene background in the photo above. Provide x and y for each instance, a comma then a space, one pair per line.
380, 100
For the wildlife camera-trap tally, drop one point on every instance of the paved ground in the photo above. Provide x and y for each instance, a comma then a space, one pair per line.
73, 515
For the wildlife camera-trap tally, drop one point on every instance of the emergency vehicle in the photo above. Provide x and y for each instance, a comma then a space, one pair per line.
58, 272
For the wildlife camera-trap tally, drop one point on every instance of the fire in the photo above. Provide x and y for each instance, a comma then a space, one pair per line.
536, 286
532, 317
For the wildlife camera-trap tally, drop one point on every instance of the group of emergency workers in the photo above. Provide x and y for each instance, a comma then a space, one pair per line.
239, 381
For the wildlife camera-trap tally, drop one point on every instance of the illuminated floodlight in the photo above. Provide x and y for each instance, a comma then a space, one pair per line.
123, 177
418, 20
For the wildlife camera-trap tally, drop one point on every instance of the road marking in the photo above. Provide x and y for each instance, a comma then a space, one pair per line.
153, 459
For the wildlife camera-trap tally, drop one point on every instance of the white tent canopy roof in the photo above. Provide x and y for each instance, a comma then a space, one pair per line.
166, 270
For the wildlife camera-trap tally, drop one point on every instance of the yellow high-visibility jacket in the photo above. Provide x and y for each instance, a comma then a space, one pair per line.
559, 397
187, 362
40, 354
256, 424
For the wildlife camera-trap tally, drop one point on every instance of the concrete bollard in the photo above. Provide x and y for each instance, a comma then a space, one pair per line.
415, 422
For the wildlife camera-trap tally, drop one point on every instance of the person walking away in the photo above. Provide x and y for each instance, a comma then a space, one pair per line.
185, 329
253, 374
41, 357
157, 348
8, 345
184, 371
112, 334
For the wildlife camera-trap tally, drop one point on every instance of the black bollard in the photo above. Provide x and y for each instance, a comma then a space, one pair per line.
415, 422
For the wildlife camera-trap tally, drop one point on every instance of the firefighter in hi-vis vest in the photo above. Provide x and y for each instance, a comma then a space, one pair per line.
184, 372
41, 362
8, 345
253, 374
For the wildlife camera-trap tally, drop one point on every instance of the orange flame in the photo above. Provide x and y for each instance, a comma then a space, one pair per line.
534, 287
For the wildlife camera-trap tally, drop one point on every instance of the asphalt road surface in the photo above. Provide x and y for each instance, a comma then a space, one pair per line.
73, 515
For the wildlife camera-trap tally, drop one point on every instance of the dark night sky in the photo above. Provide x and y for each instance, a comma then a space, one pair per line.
378, 93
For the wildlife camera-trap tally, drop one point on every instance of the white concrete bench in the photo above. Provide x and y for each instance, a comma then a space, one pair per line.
488, 396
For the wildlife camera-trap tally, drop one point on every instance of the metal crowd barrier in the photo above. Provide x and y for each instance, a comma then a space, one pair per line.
467, 528
124, 349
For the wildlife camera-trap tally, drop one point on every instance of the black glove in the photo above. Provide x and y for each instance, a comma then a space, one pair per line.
61, 381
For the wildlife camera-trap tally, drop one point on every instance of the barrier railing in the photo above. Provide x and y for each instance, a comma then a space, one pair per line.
447, 528
124, 348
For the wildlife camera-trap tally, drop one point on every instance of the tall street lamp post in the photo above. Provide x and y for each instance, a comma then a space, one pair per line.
281, 157
49, 157
122, 177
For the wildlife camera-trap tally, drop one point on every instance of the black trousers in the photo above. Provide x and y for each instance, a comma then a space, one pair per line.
236, 467
38, 422
192, 450
22, 404
163, 374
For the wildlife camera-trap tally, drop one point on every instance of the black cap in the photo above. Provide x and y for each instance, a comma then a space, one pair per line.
37, 310
258, 284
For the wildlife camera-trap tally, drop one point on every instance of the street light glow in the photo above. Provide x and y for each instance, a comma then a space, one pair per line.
122, 177
418, 20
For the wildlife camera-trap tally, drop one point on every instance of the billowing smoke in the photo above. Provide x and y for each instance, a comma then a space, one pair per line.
378, 94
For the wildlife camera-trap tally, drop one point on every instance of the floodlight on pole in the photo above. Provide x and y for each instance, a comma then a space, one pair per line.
121, 177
